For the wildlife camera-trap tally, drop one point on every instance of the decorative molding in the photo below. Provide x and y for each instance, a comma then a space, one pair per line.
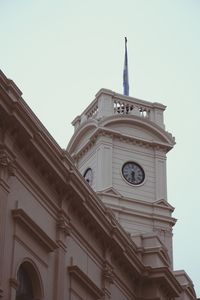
108, 273
12, 168
110, 192
186, 283
147, 215
63, 229
164, 204
158, 145
4, 161
14, 283
63, 226
63, 223
7, 163
83, 278
165, 231
21, 217
9, 87
167, 280
7, 168
113, 220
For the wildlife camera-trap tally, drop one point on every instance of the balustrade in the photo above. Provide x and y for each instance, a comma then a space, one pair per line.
125, 107
92, 112
108, 103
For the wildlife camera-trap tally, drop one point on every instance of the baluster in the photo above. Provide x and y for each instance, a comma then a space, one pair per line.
119, 107
127, 109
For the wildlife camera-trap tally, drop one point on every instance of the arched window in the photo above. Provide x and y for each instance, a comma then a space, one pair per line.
25, 287
30, 285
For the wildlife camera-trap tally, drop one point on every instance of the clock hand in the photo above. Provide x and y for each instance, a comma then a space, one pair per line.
133, 175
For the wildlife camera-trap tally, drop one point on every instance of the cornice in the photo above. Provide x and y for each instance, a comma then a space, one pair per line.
106, 229
21, 217
9, 87
83, 278
157, 145
50, 202
143, 122
186, 283
84, 127
104, 123
167, 280
159, 251
164, 204
148, 215
151, 205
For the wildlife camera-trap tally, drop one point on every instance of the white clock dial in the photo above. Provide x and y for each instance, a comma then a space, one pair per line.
133, 173
88, 175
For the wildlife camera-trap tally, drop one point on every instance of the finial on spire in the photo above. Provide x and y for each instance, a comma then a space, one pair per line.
125, 73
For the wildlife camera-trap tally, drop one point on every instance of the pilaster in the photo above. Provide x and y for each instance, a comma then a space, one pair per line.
104, 163
6, 170
107, 280
105, 104
63, 231
14, 285
161, 176
107, 274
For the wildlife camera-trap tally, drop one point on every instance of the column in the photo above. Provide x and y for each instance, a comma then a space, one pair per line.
63, 230
5, 172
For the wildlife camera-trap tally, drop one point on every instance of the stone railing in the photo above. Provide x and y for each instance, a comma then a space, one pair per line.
126, 107
108, 103
92, 111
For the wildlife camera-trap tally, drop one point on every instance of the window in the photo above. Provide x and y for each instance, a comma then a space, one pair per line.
25, 288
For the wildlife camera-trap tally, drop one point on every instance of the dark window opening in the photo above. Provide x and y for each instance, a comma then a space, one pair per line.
25, 289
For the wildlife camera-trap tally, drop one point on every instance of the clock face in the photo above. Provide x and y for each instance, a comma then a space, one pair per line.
88, 175
133, 173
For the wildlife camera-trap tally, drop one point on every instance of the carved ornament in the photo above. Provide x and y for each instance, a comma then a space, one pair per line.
108, 273
7, 168
4, 161
63, 226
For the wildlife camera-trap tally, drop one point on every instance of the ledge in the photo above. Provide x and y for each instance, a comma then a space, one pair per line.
79, 275
166, 279
21, 217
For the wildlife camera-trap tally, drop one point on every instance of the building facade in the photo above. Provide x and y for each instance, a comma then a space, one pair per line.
92, 222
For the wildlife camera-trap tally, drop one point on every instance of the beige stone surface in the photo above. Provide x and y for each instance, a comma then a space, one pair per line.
63, 239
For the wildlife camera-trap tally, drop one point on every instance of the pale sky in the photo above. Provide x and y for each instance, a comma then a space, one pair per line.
61, 52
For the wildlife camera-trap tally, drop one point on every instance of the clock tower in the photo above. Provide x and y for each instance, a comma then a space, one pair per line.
120, 145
